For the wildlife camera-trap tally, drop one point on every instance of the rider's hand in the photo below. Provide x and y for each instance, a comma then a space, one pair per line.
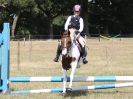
66, 30
77, 32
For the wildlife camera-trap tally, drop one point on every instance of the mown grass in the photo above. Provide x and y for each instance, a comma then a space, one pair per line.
107, 57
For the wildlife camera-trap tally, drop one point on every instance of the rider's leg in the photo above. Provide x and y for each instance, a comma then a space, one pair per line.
58, 53
84, 51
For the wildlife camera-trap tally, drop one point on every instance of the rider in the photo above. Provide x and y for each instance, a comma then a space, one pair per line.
77, 22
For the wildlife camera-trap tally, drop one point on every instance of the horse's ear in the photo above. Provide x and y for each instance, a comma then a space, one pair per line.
61, 33
68, 32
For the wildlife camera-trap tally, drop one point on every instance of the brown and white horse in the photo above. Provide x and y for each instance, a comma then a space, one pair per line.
70, 56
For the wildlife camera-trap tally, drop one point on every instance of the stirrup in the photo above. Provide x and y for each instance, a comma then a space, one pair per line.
85, 61
55, 59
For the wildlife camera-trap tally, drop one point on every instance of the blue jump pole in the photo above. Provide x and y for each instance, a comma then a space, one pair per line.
76, 88
0, 59
5, 67
76, 79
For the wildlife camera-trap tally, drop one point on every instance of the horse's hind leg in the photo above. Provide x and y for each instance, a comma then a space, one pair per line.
64, 80
74, 66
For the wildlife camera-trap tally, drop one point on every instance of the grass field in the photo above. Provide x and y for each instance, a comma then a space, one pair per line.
106, 57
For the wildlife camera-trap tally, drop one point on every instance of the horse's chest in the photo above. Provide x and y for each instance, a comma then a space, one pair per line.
66, 62
69, 53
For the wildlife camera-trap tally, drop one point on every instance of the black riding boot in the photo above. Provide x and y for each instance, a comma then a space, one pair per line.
84, 54
57, 53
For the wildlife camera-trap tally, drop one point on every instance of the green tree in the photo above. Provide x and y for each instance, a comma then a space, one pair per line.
53, 9
123, 12
85, 15
50, 10
111, 16
15, 8
3, 12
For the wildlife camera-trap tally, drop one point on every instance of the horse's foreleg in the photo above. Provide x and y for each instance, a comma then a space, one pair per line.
74, 66
64, 80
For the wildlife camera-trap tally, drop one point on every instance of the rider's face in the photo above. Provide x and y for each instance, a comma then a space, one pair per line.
77, 13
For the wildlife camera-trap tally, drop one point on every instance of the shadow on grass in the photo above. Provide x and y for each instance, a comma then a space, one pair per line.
76, 94
86, 93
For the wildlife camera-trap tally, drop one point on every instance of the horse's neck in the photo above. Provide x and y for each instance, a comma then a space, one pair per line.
72, 30
74, 47
72, 33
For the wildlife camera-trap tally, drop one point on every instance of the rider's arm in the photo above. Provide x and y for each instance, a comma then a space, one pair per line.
67, 23
81, 25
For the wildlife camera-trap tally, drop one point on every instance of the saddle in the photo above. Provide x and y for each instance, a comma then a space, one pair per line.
79, 45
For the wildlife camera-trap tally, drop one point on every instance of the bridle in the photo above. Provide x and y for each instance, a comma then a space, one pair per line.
66, 46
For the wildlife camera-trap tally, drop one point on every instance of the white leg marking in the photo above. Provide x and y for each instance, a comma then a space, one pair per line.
64, 80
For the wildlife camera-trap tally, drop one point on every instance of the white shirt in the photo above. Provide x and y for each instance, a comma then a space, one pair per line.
80, 21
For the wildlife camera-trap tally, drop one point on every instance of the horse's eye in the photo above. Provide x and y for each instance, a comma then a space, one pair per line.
69, 42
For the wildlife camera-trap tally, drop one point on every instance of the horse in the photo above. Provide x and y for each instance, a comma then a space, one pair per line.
70, 55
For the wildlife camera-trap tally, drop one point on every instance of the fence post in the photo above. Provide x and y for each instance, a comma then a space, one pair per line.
18, 55
30, 47
24, 41
99, 35
85, 37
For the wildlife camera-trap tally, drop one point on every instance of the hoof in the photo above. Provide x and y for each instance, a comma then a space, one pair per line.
63, 94
55, 59
85, 61
68, 89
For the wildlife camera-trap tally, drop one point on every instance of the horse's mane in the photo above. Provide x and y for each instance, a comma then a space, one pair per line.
65, 34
